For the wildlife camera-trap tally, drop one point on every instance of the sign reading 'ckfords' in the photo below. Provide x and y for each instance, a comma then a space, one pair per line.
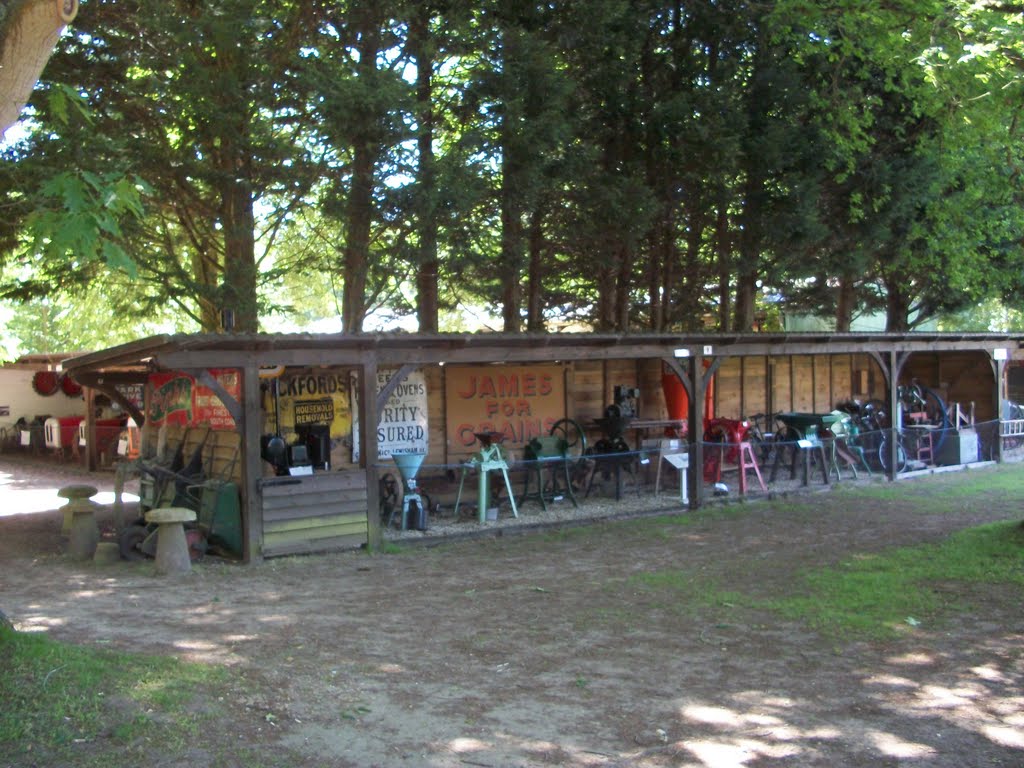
304, 385
310, 398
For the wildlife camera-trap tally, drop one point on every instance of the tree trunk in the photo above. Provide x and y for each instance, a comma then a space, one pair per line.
239, 254
845, 302
689, 299
749, 248
746, 294
623, 283
357, 242
427, 263
897, 307
360, 201
27, 39
605, 299
511, 236
232, 157
723, 250
535, 280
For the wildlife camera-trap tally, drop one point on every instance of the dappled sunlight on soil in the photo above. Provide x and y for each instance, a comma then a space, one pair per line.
545, 650
21, 496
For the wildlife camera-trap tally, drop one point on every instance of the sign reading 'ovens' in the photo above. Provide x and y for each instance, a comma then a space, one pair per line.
519, 401
403, 422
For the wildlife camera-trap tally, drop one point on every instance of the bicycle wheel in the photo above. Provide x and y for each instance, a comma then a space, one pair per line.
763, 445
883, 455
785, 445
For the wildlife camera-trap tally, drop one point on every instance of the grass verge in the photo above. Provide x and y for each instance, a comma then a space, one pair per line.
71, 705
878, 596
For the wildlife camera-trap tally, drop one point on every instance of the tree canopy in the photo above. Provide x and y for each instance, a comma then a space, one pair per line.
621, 165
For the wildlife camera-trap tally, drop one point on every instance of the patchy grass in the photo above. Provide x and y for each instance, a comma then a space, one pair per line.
947, 492
687, 589
70, 705
879, 596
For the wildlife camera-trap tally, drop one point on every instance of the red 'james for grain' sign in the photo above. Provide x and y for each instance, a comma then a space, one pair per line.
520, 401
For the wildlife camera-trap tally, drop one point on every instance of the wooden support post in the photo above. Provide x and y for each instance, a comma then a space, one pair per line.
369, 417
251, 428
90, 457
695, 430
892, 398
999, 372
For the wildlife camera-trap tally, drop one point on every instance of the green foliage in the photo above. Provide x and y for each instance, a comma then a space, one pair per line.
78, 218
620, 164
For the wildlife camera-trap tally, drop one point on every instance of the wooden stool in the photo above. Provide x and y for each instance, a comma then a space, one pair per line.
171, 547
79, 521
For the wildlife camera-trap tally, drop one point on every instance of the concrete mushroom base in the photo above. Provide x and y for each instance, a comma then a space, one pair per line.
171, 546
78, 496
79, 520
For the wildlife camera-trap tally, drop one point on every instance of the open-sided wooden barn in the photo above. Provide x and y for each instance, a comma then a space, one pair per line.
441, 389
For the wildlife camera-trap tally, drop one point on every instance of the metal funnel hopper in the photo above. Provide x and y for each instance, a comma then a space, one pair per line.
408, 463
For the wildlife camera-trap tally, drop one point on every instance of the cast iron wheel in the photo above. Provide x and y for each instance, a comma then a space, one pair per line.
574, 436
129, 541
576, 450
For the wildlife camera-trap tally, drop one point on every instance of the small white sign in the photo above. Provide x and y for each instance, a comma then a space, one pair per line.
678, 460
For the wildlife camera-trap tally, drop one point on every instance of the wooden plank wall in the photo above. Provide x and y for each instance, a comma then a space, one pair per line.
841, 383
963, 378
727, 389
780, 386
584, 391
802, 382
755, 389
320, 512
437, 446
652, 401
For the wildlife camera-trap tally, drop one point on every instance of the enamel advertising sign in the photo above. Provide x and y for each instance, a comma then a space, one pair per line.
520, 401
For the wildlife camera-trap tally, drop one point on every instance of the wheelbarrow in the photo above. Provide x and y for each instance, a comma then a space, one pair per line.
801, 434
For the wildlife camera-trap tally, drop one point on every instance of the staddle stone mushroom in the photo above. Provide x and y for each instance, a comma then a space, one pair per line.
171, 546
79, 520
77, 493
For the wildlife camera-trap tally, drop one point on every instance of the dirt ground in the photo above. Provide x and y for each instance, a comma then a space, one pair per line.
545, 649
